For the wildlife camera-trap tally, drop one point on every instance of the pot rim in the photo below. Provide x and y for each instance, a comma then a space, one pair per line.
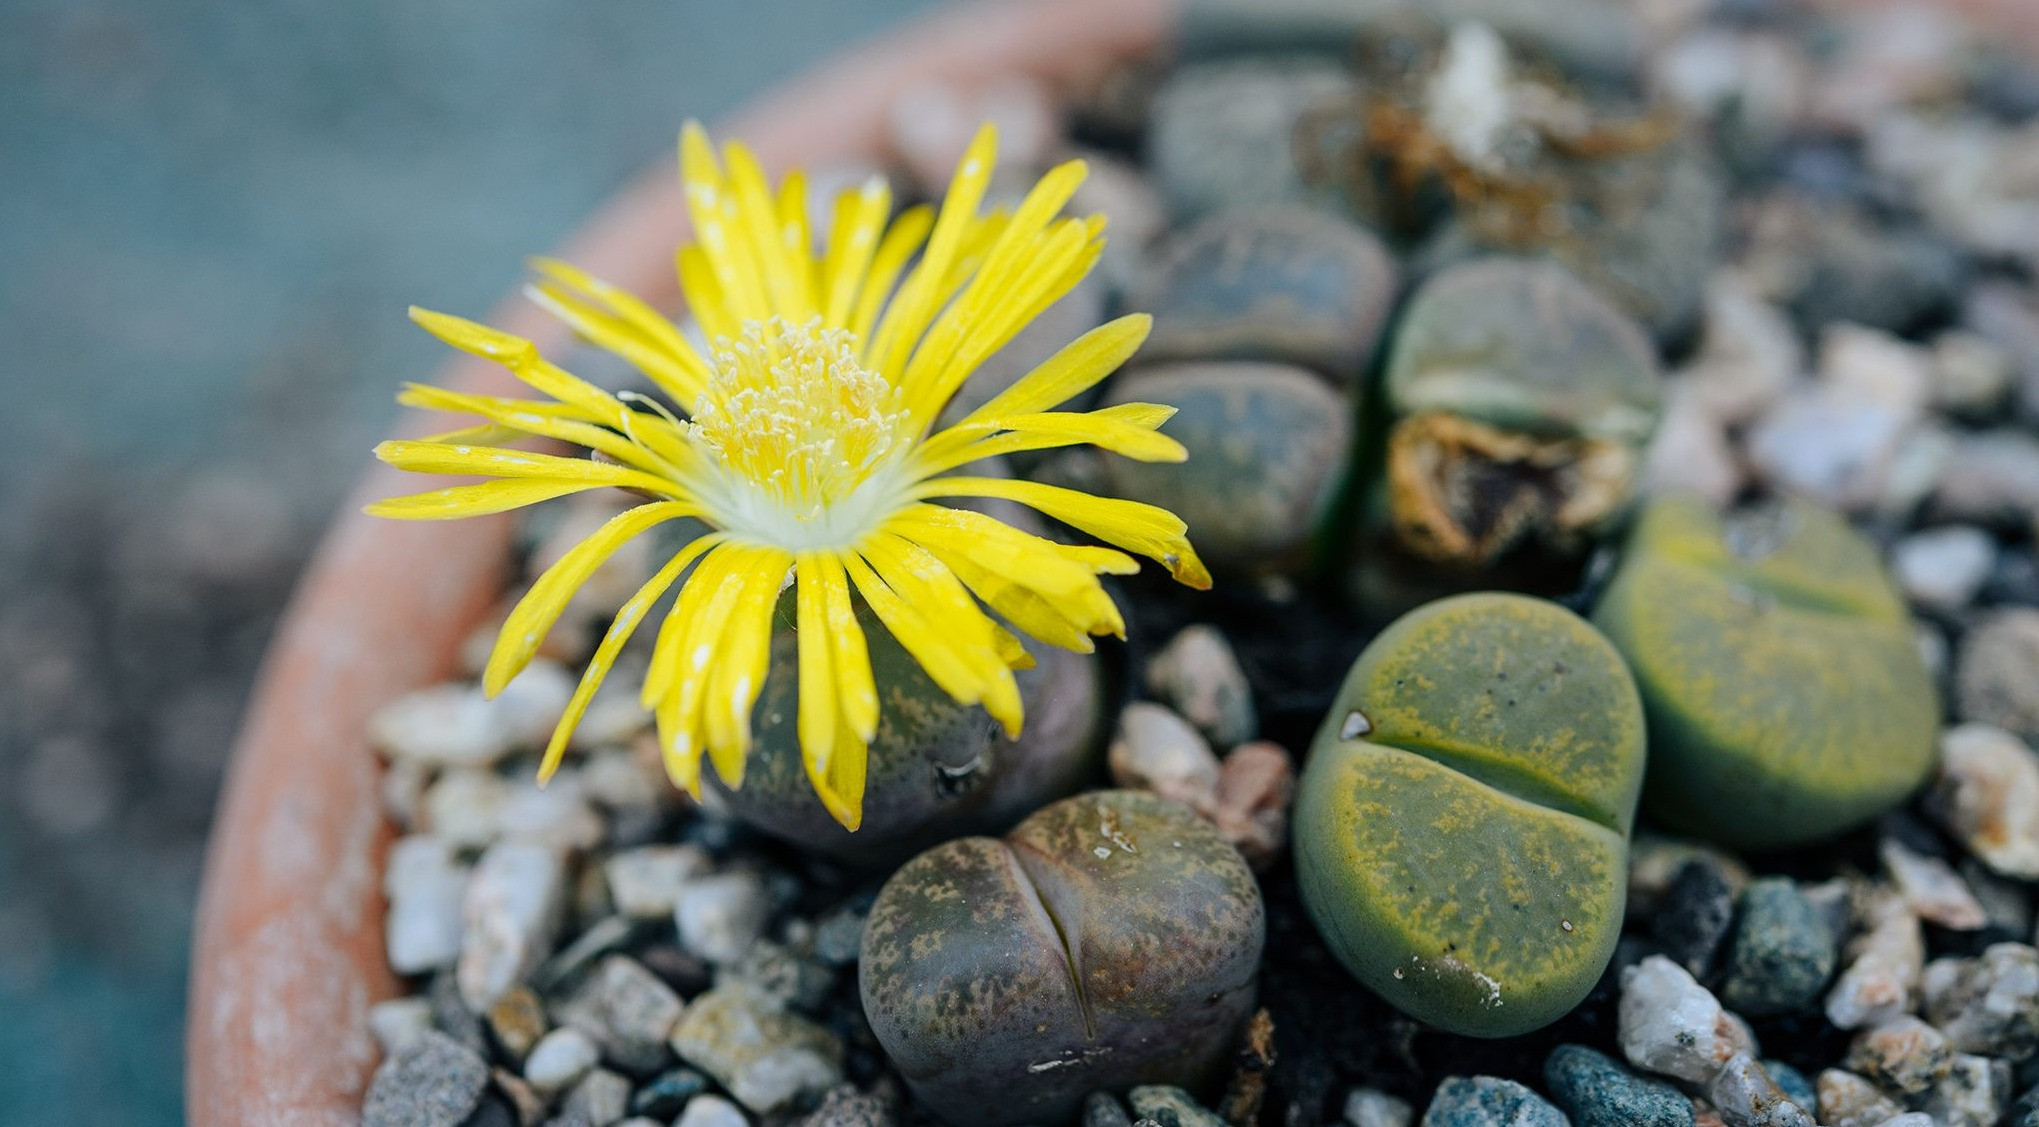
288, 953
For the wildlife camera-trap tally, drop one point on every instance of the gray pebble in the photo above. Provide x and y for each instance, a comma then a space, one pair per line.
773, 971
1793, 1082
1993, 676
1694, 915
560, 1059
1991, 479
711, 1111
1987, 1005
1782, 955
720, 916
599, 1100
1221, 133
839, 937
434, 1082
1746, 1095
627, 1010
1171, 1107
1597, 1092
1199, 676
1486, 1101
845, 1106
1974, 1093
2025, 1113
664, 1095
768, 1059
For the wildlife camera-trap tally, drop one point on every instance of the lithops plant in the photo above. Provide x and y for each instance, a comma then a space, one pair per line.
1269, 446
1521, 402
937, 768
1787, 699
1112, 939
1461, 835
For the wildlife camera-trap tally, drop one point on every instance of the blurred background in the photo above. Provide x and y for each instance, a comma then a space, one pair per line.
212, 216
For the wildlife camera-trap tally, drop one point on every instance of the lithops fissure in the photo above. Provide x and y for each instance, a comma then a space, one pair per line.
1111, 939
1461, 834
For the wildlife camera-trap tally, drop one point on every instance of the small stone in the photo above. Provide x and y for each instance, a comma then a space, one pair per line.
614, 716
1932, 888
1911, 1119
1487, 1101
1796, 1087
623, 778
517, 1021
1749, 354
845, 1106
1597, 1092
1199, 676
1903, 1054
1746, 1096
768, 1059
1986, 793
1369, 1107
1120, 189
1655, 861
434, 1082
645, 882
721, 915
556, 814
424, 882
464, 807
398, 1022
1838, 440
1988, 1005
600, 1099
1990, 479
454, 725
510, 914
1993, 675
628, 1011
450, 1014
1222, 134
1693, 916
1974, 1093
664, 1095
1973, 374
839, 937
526, 1105
1671, 1025
711, 1111
1943, 568
600, 938
403, 793
2003, 899
1691, 452
1782, 954
560, 1059
775, 972
1256, 787
1847, 1100
2025, 1113
1883, 971
1171, 1107
1159, 751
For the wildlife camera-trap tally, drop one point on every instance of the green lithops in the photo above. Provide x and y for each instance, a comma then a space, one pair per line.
1461, 835
1269, 445
937, 768
1112, 939
1787, 699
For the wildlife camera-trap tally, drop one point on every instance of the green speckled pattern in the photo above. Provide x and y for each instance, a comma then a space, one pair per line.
1111, 939
1787, 700
1461, 835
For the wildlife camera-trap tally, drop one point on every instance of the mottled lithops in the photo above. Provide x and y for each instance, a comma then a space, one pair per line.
1461, 838
1787, 700
1111, 939
1522, 401
1284, 284
1268, 448
937, 768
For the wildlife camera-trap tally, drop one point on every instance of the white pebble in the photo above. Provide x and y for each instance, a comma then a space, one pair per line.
1159, 751
1883, 971
465, 807
560, 1059
511, 914
645, 882
1670, 1024
720, 916
710, 1111
1367, 1107
398, 1022
1933, 890
424, 882
1987, 795
1198, 674
1943, 568
454, 725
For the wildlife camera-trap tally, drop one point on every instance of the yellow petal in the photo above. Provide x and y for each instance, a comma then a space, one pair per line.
901, 240
540, 607
853, 233
1072, 371
850, 655
717, 232
1127, 429
929, 646
544, 420
475, 500
1147, 530
620, 629
922, 580
744, 656
623, 324
502, 461
908, 316
523, 360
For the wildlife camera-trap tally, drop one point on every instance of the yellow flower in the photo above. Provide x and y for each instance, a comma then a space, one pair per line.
806, 447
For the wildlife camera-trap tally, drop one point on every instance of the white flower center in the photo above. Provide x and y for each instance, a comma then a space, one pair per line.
808, 442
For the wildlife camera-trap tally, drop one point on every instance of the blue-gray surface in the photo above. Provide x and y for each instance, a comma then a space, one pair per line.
212, 215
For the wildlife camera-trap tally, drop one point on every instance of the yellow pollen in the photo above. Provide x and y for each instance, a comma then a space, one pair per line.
797, 426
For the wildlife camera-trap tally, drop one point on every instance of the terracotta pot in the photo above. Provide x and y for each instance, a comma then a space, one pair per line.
289, 947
